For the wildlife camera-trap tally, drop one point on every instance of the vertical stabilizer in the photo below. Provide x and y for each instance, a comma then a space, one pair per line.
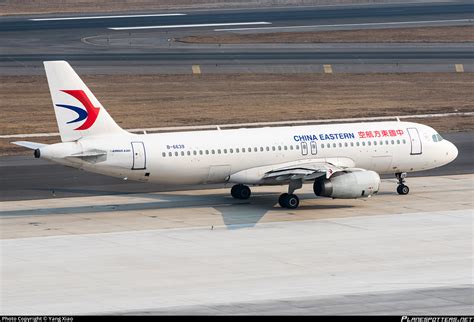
78, 112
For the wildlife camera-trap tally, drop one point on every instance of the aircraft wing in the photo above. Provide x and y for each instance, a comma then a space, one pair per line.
304, 170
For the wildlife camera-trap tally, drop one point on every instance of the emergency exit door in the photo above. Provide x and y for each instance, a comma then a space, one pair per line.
415, 140
139, 156
304, 148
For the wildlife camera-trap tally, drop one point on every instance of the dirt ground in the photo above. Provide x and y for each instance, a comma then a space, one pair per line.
419, 35
171, 100
18, 7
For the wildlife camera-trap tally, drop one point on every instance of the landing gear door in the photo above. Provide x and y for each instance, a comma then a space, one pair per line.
415, 140
139, 156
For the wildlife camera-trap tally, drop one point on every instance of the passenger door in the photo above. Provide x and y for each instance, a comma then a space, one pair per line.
139, 156
415, 140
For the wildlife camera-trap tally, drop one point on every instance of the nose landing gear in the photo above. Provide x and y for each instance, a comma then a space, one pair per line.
402, 189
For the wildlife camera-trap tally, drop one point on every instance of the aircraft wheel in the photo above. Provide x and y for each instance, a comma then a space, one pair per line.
281, 200
403, 190
240, 191
244, 192
289, 201
234, 192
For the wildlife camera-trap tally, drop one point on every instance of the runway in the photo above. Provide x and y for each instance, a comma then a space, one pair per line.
90, 44
201, 252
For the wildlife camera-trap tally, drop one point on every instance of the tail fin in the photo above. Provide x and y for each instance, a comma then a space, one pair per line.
78, 112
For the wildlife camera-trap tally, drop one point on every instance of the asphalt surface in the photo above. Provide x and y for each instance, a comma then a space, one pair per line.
25, 43
24, 178
278, 17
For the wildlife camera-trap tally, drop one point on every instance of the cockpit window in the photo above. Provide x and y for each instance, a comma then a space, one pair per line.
437, 138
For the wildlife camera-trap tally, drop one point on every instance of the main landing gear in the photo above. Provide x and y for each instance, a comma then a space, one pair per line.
290, 200
402, 189
286, 200
240, 191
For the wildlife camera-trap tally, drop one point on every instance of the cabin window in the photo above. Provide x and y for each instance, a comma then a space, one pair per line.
225, 150
357, 143
375, 142
398, 141
237, 150
363, 143
346, 145
340, 145
381, 142
297, 147
163, 154
393, 142
291, 147
268, 148
322, 145
194, 152
200, 152
255, 149
273, 148
334, 145
279, 148
249, 149
213, 151
189, 152
243, 150
404, 142
182, 153
352, 143
285, 148
170, 154
219, 151
176, 153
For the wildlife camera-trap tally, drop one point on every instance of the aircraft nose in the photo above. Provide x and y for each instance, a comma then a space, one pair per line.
451, 152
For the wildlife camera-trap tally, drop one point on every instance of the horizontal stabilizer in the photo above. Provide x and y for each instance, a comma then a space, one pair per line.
29, 145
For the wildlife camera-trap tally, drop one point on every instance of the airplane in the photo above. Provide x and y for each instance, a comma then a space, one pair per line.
340, 160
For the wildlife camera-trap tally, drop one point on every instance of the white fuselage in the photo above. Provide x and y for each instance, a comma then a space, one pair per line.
216, 156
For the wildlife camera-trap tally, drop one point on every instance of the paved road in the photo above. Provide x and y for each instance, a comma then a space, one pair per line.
25, 43
24, 177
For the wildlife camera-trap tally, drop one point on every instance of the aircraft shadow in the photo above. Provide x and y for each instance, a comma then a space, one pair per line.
236, 214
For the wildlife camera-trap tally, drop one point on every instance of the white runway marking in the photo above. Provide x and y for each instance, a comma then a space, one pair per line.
282, 123
109, 17
349, 25
193, 25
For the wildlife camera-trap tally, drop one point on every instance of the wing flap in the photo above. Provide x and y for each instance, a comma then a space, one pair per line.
308, 169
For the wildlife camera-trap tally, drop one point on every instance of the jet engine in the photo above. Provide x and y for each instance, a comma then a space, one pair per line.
348, 185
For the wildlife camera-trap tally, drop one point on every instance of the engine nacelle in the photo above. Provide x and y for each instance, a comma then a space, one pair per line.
348, 185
